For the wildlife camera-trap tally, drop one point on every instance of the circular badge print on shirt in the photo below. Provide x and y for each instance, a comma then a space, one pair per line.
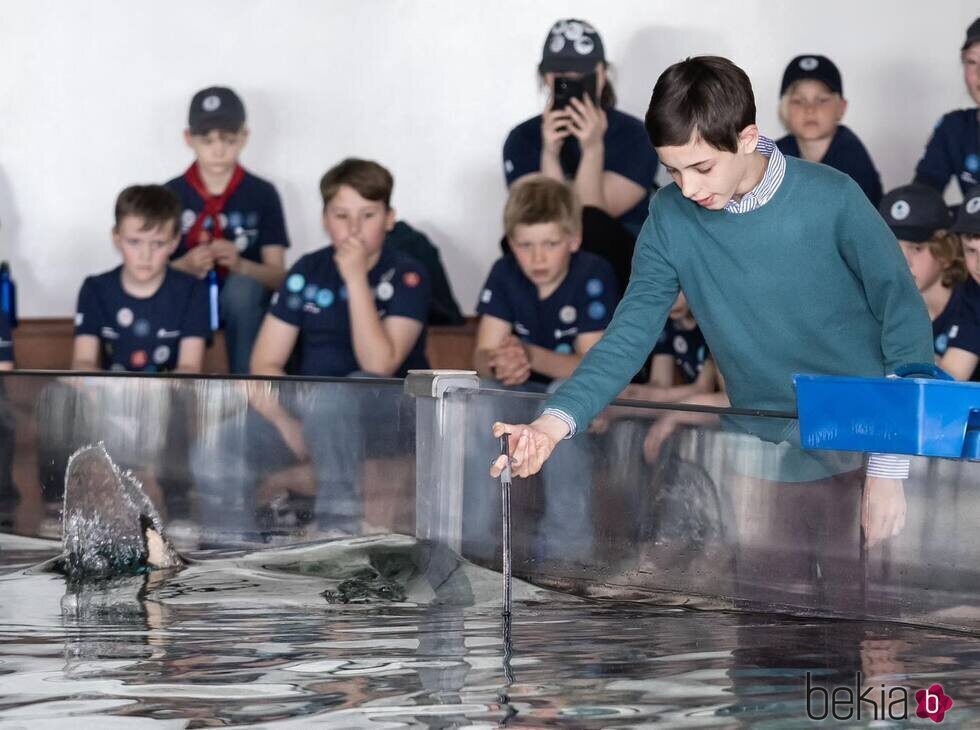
211, 103
680, 345
593, 287
124, 317
138, 360
236, 219
385, 291
567, 314
295, 283
809, 63
161, 354
972, 162
79, 318
275, 299
597, 310
310, 292
294, 301
324, 298
942, 343
900, 210
141, 328
187, 219
973, 205
411, 279
343, 293
564, 348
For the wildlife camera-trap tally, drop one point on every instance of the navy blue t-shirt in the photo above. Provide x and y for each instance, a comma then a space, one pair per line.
628, 152
687, 347
252, 216
959, 323
847, 154
314, 299
142, 335
953, 151
6, 340
583, 302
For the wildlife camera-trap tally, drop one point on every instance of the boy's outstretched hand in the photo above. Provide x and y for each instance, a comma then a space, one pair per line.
883, 509
530, 445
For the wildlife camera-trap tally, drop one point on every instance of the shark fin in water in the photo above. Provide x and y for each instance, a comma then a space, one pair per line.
110, 527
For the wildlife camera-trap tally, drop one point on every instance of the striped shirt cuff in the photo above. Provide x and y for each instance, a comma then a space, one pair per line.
888, 466
563, 417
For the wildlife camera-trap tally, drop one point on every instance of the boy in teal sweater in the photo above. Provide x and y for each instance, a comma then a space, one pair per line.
789, 268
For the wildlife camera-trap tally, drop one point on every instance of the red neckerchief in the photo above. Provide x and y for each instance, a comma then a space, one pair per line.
213, 206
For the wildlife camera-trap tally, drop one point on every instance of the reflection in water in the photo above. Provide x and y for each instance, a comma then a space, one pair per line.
243, 638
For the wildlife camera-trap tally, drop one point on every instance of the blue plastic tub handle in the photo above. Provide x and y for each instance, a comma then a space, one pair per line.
922, 370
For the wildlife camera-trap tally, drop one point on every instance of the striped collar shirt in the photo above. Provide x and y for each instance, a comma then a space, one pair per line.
767, 187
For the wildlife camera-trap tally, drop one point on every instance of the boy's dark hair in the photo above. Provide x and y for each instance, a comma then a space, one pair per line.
707, 97
153, 203
369, 179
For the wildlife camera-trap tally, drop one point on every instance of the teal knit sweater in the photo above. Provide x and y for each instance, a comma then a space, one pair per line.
811, 282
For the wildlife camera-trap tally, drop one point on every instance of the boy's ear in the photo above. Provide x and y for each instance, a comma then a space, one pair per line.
187, 137
748, 139
574, 243
116, 241
391, 217
244, 135
841, 109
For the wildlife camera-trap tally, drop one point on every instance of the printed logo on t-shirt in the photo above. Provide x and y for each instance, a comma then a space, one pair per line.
241, 239
567, 314
593, 287
680, 345
564, 348
973, 205
343, 293
211, 103
165, 334
385, 291
972, 162
324, 298
597, 310
294, 302
411, 279
161, 354
900, 210
251, 220
141, 328
953, 331
508, 166
124, 317
486, 296
79, 318
295, 283
235, 219
809, 63
310, 292
942, 343
139, 359
187, 219
274, 300
521, 330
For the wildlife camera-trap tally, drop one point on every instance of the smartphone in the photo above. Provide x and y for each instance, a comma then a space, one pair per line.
570, 87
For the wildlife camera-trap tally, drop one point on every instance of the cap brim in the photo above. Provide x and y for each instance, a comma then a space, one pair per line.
221, 123
971, 227
568, 65
915, 234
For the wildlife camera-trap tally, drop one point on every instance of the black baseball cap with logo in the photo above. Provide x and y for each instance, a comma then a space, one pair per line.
968, 214
216, 107
815, 67
572, 46
914, 212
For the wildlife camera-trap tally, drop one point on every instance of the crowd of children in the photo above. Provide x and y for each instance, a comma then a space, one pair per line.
208, 250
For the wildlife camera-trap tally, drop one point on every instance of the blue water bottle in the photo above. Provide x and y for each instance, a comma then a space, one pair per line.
8, 294
213, 299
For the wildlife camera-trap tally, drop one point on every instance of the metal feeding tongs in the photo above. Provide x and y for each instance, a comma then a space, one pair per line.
505, 482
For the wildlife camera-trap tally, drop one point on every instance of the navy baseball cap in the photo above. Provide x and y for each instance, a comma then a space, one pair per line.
972, 34
572, 46
216, 107
914, 212
968, 214
820, 68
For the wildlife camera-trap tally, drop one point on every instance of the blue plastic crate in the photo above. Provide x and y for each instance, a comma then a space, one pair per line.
911, 415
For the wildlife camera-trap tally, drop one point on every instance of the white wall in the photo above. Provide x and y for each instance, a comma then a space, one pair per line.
93, 97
